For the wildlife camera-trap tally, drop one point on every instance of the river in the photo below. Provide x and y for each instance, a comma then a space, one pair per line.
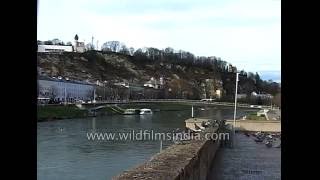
65, 153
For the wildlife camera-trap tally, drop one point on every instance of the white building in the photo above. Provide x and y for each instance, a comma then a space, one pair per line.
54, 48
262, 96
61, 89
218, 93
123, 84
79, 47
152, 83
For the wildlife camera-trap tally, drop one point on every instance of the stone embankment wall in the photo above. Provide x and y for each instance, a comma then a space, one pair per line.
191, 160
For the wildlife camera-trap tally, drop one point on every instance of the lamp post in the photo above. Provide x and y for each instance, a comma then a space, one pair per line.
235, 108
65, 93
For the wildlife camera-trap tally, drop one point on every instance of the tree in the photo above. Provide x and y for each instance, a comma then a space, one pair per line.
277, 100
56, 41
48, 42
131, 51
89, 46
140, 55
257, 78
250, 75
76, 37
124, 49
243, 73
153, 53
69, 43
113, 46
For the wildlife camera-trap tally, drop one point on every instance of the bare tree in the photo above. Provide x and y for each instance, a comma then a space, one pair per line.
131, 51
277, 100
90, 46
113, 46
124, 49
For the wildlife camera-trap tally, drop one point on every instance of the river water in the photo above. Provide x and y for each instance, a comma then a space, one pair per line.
65, 153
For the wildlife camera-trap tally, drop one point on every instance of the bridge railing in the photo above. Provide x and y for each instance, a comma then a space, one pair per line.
179, 100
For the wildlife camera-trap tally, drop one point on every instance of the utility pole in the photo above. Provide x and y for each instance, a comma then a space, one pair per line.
192, 115
104, 87
97, 45
65, 96
92, 43
235, 108
160, 145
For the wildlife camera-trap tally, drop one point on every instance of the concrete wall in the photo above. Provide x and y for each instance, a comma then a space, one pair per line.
256, 125
189, 161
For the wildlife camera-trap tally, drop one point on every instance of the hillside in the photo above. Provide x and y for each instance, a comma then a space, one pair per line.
194, 79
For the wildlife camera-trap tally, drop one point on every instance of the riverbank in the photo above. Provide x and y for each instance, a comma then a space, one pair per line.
56, 112
47, 113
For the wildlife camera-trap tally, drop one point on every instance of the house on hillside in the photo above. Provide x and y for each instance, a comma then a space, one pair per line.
57, 47
54, 48
153, 83
262, 96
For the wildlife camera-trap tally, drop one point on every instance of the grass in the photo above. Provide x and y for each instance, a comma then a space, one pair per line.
59, 112
53, 112
253, 116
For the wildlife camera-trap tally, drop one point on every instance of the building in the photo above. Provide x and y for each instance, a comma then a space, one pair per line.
54, 48
61, 90
262, 96
78, 46
218, 93
152, 83
123, 84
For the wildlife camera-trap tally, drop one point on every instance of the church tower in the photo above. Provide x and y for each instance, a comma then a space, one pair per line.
76, 42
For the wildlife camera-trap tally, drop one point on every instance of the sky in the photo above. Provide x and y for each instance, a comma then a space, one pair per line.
245, 33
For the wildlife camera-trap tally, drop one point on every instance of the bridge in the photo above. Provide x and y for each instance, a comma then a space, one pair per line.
185, 101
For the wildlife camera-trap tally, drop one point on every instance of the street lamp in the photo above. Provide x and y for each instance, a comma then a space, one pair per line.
235, 108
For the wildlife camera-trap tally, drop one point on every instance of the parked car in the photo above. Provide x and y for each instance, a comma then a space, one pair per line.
80, 101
